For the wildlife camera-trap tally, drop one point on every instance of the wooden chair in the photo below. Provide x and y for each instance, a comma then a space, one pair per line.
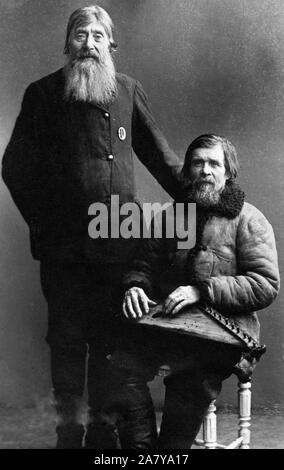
209, 440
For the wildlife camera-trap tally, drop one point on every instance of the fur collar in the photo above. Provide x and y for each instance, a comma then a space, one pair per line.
230, 205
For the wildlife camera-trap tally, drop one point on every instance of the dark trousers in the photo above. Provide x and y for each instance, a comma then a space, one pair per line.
83, 322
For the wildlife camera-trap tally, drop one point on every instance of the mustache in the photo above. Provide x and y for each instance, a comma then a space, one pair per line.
187, 184
88, 55
202, 181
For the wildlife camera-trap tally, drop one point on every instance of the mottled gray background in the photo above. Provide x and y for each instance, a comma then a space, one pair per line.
207, 66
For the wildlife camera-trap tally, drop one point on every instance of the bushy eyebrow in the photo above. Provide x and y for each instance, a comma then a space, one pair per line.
210, 160
81, 29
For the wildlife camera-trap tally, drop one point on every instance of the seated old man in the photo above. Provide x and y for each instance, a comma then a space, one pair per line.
232, 268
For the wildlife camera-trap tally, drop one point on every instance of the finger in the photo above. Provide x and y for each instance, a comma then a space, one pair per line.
173, 299
144, 301
130, 309
179, 307
175, 294
136, 299
167, 302
171, 305
124, 309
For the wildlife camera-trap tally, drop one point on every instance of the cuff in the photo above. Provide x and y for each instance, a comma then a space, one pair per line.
138, 283
204, 292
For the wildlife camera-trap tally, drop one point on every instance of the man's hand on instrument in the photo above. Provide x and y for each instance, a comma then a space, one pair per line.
136, 303
180, 298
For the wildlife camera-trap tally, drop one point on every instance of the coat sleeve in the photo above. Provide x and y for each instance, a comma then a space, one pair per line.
21, 166
257, 283
151, 146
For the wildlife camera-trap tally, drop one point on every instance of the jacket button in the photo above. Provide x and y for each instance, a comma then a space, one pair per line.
110, 157
107, 115
204, 248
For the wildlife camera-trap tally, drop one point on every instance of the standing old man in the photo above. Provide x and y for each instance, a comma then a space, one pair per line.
72, 145
233, 268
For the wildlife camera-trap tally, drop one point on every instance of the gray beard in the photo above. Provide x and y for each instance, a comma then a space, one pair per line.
90, 80
204, 195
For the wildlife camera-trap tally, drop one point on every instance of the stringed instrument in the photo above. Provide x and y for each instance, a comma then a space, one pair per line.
204, 322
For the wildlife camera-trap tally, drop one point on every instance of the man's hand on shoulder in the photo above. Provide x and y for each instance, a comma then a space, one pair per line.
180, 298
136, 303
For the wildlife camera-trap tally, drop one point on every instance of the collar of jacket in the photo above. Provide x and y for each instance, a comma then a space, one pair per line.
230, 205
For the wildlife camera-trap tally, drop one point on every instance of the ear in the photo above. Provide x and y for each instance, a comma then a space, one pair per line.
112, 47
228, 175
228, 178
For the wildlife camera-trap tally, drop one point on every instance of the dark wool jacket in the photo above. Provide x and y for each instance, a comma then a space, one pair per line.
64, 156
234, 262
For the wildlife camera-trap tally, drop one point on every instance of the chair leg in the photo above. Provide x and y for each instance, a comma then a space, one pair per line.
210, 427
244, 398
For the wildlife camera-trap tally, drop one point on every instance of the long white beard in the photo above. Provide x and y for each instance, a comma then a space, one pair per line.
91, 80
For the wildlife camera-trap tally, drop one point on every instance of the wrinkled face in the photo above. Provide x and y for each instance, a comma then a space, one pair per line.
207, 168
88, 41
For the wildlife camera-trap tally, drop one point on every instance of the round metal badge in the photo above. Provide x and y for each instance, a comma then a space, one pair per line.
121, 133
